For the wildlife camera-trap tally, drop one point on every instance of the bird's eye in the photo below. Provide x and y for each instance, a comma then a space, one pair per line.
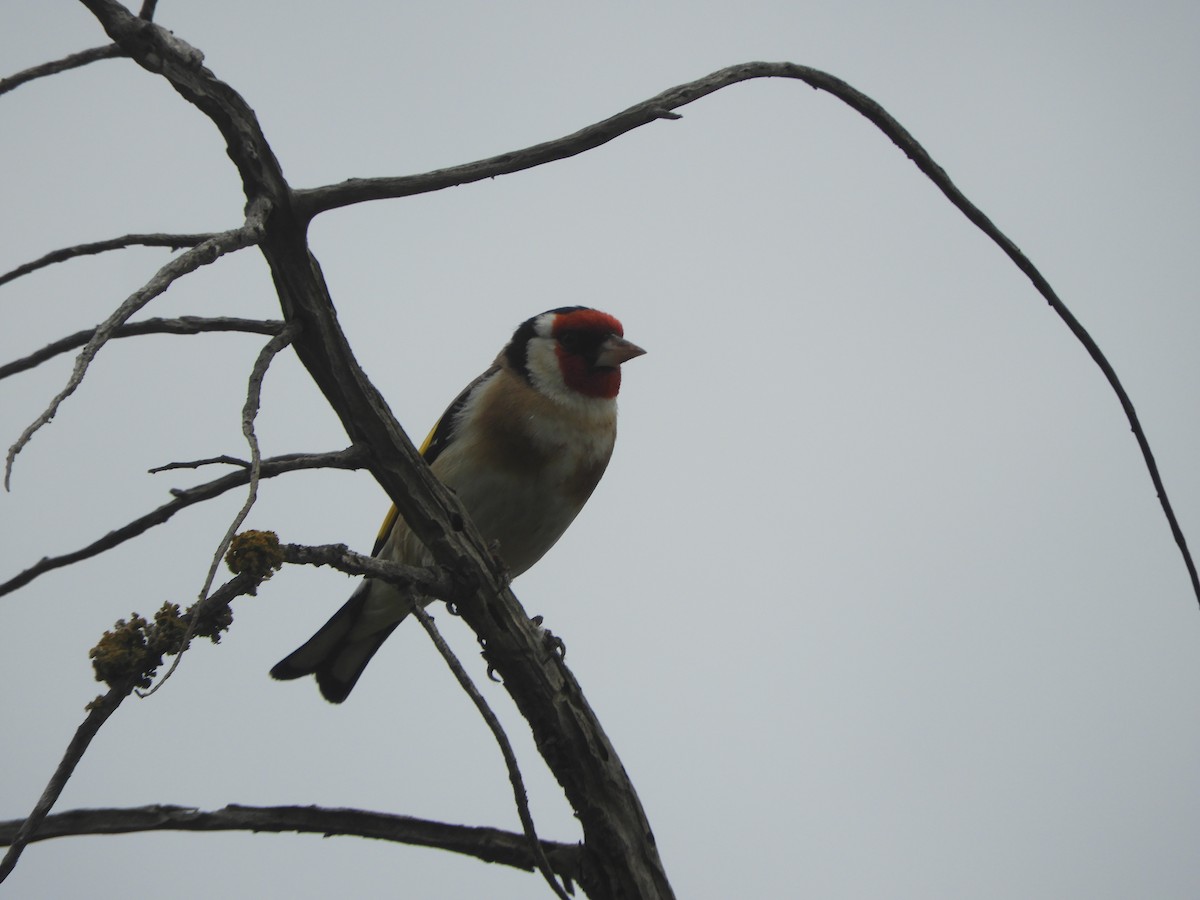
571, 341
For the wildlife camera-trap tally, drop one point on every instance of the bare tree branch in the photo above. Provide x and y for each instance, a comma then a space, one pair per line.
520, 797
491, 845
173, 241
181, 325
316, 200
74, 61
428, 582
223, 459
350, 458
202, 254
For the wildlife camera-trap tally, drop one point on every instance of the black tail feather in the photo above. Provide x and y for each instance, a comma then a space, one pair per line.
336, 659
336, 686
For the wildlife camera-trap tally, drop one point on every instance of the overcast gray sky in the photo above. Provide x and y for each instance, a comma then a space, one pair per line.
875, 600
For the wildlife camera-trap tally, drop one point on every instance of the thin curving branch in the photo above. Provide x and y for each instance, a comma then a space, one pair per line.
181, 325
171, 241
204, 253
316, 200
74, 61
493, 845
350, 458
520, 796
258, 372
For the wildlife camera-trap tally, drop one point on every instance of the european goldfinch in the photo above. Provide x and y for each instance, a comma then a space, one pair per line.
523, 447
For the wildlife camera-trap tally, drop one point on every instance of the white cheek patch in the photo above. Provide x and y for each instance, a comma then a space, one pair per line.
541, 360
547, 379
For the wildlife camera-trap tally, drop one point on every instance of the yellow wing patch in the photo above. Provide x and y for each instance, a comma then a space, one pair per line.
393, 513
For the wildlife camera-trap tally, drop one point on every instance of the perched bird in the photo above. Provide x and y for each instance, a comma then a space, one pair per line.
523, 447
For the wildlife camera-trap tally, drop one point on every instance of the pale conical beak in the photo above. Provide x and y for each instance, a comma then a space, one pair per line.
616, 350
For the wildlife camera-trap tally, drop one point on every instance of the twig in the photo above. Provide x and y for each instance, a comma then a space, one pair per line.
426, 582
493, 845
350, 458
202, 254
181, 325
249, 412
510, 758
174, 241
316, 200
74, 61
223, 459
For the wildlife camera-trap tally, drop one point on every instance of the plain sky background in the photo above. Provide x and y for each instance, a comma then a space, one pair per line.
875, 600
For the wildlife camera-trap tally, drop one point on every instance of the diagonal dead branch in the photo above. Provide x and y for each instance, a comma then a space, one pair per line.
350, 458
74, 61
173, 241
492, 845
99, 711
520, 796
316, 200
202, 254
181, 325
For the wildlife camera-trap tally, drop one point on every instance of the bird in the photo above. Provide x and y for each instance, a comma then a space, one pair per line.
523, 446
